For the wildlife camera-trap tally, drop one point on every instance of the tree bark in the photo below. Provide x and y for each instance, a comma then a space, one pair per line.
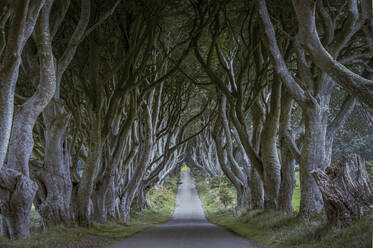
255, 181
346, 190
288, 180
242, 190
312, 157
269, 154
21, 140
356, 85
55, 186
225, 167
21, 27
16, 196
134, 183
86, 185
145, 155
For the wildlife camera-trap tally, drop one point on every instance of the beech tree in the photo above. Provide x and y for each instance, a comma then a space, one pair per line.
17, 194
101, 101
313, 96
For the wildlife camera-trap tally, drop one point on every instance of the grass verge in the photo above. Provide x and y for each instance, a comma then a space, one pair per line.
161, 201
276, 230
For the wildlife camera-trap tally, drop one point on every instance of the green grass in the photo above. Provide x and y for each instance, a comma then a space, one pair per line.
185, 168
296, 195
161, 203
102, 234
276, 230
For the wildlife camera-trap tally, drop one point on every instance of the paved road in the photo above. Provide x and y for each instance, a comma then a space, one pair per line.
188, 227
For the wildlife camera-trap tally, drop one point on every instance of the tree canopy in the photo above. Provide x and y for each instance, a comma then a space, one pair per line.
101, 100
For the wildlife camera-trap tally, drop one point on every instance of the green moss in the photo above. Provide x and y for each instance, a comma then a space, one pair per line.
276, 230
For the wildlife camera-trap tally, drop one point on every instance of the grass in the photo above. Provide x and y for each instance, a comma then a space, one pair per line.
185, 168
161, 201
276, 230
296, 194
101, 234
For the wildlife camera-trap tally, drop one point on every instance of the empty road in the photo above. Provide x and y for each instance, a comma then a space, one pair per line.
188, 227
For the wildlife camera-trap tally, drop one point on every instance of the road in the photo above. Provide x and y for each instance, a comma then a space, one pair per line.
187, 228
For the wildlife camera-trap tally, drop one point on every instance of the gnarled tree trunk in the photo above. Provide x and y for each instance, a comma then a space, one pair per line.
54, 196
20, 29
346, 190
21, 140
16, 195
86, 185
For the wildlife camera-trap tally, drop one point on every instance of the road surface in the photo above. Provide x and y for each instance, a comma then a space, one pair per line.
187, 228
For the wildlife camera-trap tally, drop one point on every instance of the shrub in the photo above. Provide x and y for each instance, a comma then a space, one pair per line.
224, 196
218, 181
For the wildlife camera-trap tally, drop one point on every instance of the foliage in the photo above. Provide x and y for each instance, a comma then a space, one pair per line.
277, 230
224, 191
185, 168
224, 196
161, 202
219, 181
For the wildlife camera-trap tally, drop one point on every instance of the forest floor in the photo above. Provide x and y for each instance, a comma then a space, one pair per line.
274, 229
161, 201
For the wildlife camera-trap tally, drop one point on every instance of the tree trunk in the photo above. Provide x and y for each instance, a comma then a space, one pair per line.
99, 200
145, 155
102, 189
288, 180
133, 186
21, 141
141, 198
269, 155
257, 190
54, 196
345, 111
255, 181
19, 32
111, 202
312, 157
86, 185
240, 179
346, 190
125, 204
226, 169
16, 195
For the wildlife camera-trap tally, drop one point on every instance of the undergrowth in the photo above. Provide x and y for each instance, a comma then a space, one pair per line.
276, 230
